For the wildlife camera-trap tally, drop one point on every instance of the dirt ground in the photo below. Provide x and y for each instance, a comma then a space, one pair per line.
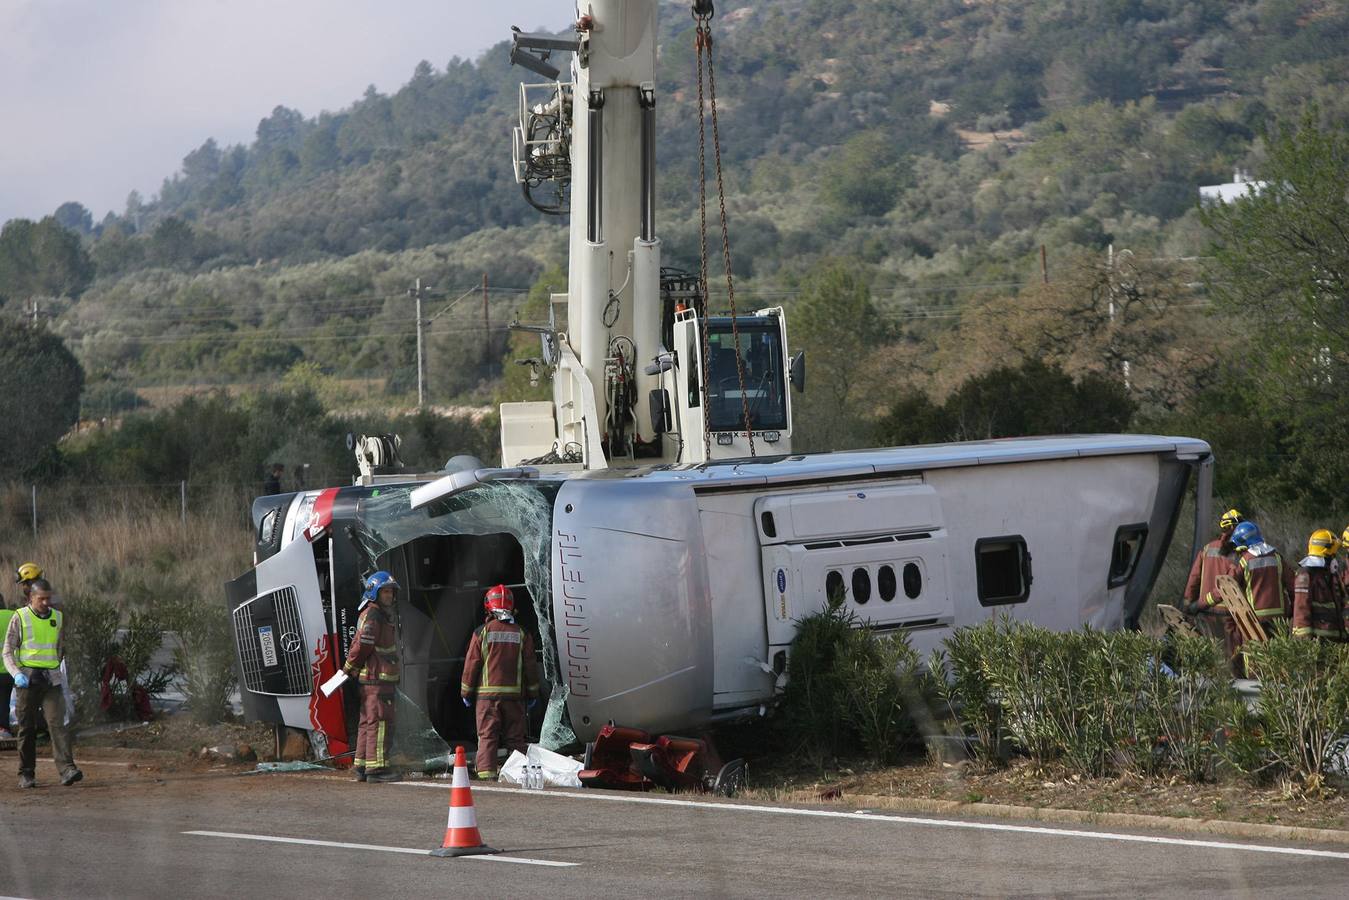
178, 746
1019, 784
171, 736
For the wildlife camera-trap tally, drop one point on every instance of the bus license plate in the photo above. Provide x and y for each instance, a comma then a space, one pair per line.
268, 645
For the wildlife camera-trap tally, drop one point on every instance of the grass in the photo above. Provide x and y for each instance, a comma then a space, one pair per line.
128, 547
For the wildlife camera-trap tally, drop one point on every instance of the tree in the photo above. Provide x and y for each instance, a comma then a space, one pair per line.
40, 384
173, 243
864, 176
1032, 398
1282, 252
837, 325
1282, 269
74, 217
42, 260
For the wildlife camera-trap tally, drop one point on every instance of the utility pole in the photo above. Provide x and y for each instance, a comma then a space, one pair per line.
486, 330
416, 292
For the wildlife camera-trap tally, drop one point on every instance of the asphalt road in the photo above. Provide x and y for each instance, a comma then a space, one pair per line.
128, 833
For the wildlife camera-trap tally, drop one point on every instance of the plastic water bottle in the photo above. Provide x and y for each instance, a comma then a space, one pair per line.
535, 777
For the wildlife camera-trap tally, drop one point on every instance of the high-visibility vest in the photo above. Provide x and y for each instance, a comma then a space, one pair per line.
39, 640
5, 616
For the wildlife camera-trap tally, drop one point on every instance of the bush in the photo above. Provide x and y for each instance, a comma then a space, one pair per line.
967, 690
1304, 703
204, 654
96, 637
1096, 701
850, 689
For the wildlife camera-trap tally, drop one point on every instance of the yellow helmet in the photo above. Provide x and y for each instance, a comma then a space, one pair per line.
1344, 538
27, 572
1231, 519
1322, 543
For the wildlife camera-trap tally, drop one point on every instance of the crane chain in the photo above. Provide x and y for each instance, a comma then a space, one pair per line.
704, 47
700, 34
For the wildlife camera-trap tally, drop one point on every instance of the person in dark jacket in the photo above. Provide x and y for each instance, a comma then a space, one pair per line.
500, 668
1318, 597
373, 659
272, 483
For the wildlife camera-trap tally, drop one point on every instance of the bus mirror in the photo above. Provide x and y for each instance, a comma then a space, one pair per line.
798, 371
659, 400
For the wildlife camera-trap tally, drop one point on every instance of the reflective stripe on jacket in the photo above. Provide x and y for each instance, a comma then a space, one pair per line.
40, 639
373, 655
1267, 581
1318, 603
500, 663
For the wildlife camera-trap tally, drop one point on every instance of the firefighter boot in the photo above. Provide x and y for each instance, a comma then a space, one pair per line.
358, 773
383, 776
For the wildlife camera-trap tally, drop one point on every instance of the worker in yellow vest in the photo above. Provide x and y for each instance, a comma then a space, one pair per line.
34, 646
6, 680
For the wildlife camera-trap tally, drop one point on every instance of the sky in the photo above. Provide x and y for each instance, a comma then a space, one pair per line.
102, 97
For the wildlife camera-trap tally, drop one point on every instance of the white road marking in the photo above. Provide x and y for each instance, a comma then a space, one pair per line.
268, 838
911, 820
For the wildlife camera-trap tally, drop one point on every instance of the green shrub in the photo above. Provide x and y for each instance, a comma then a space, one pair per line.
850, 689
966, 689
813, 702
1304, 702
97, 636
1187, 706
204, 654
90, 642
1096, 701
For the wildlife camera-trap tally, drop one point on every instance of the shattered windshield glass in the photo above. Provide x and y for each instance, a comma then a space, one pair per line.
523, 510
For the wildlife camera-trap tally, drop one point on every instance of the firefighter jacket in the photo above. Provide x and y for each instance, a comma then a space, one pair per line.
373, 657
1201, 588
1318, 602
500, 663
1268, 582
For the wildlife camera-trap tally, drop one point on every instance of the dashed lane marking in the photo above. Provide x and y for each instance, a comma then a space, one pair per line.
908, 820
343, 845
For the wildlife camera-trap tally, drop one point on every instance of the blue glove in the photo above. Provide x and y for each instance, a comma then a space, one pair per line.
21, 680
468, 702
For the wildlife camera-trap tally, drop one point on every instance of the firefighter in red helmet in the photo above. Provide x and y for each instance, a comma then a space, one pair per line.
500, 668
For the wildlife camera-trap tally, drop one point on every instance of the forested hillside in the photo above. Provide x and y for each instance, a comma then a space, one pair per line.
934, 186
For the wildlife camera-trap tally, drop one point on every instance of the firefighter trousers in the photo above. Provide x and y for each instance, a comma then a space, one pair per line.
499, 722
374, 735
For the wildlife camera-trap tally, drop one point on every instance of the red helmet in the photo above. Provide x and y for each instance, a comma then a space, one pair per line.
499, 599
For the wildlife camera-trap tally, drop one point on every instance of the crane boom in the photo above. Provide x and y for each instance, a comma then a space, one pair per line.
628, 363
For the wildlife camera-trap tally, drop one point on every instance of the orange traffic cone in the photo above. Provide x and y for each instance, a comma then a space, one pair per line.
461, 832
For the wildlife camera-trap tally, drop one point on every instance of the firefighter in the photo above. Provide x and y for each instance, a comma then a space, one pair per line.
500, 668
1218, 557
1318, 598
373, 660
1341, 566
1267, 579
33, 649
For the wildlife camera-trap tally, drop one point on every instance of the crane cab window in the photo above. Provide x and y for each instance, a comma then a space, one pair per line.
1003, 568
763, 392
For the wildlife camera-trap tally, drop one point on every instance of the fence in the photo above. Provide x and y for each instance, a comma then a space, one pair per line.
48, 504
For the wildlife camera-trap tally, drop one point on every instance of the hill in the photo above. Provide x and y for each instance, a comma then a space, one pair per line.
963, 158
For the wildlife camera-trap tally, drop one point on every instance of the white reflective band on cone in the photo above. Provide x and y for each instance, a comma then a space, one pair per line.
463, 817
460, 779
